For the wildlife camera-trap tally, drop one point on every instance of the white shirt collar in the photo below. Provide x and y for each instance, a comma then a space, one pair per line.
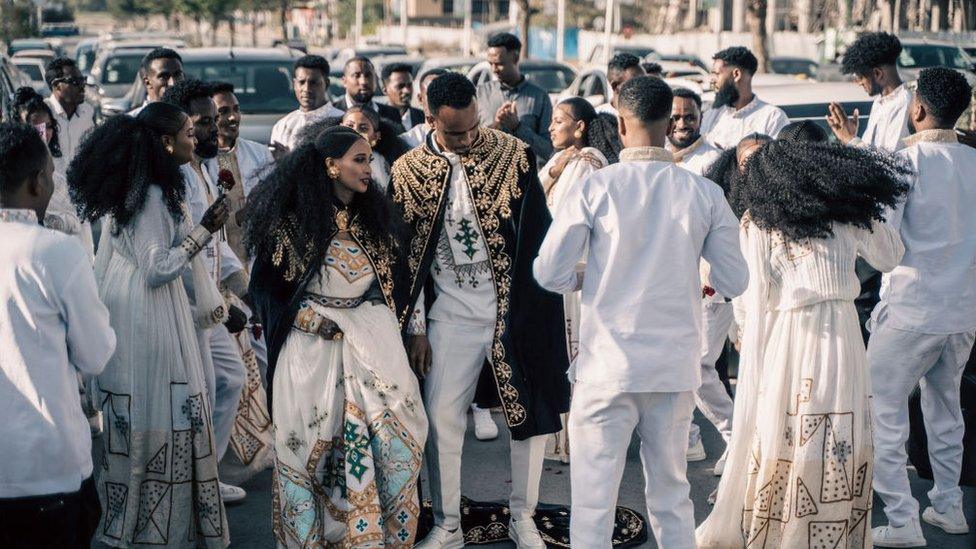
367, 105
19, 215
895, 93
56, 106
646, 154
748, 109
931, 136
682, 154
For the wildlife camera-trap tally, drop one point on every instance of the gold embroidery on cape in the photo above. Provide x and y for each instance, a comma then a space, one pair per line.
493, 167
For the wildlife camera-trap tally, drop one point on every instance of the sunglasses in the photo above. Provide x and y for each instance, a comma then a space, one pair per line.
72, 81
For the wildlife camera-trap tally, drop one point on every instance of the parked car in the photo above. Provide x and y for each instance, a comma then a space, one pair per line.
31, 44
33, 69
43, 55
680, 57
461, 65
920, 54
552, 76
591, 84
261, 79
346, 54
682, 69
809, 100
644, 52
797, 66
85, 52
59, 29
113, 72
10, 80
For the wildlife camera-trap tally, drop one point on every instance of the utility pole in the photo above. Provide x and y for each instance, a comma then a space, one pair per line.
561, 30
607, 32
359, 23
403, 21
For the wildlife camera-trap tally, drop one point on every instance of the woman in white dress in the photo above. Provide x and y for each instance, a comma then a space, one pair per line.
158, 477
585, 143
801, 438
349, 420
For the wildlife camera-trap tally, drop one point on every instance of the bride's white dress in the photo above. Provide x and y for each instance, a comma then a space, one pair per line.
800, 460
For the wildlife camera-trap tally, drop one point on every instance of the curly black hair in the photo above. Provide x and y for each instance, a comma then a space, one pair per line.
725, 172
313, 62
158, 53
505, 40
55, 69
601, 128
945, 93
187, 91
803, 130
118, 161
652, 69
22, 155
738, 56
27, 101
875, 49
685, 93
623, 61
450, 90
298, 199
646, 97
801, 189
388, 70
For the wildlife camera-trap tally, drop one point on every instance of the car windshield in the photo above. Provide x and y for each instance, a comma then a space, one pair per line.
31, 71
793, 66
551, 79
816, 112
262, 87
85, 58
917, 56
122, 69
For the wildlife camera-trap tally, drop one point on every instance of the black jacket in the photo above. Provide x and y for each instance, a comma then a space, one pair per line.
385, 111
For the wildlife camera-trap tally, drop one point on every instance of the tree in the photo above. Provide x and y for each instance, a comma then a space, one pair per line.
524, 15
756, 19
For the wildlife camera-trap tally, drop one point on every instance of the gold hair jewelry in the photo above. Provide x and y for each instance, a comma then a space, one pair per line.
333, 172
373, 143
169, 149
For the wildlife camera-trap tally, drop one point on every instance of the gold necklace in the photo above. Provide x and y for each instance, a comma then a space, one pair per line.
342, 219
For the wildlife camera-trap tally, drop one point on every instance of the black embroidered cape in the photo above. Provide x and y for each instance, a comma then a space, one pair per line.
528, 356
278, 284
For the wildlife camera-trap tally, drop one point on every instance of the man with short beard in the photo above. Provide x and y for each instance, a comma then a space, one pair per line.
737, 111
871, 59
222, 360
359, 79
161, 69
310, 82
691, 151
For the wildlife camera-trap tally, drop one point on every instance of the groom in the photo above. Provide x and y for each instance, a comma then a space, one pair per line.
646, 224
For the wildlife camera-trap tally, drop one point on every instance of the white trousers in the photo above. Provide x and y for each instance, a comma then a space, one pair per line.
458, 354
711, 397
225, 376
601, 423
899, 360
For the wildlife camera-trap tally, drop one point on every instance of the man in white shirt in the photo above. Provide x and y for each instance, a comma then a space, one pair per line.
692, 152
418, 134
472, 199
644, 225
872, 59
53, 326
67, 101
925, 324
737, 111
311, 84
398, 88
225, 371
621, 69
161, 69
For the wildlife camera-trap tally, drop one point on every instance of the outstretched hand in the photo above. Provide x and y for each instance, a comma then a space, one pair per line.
843, 126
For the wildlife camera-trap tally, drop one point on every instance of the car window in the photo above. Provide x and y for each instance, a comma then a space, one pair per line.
260, 86
817, 112
591, 85
927, 55
85, 59
793, 66
121, 69
31, 71
551, 79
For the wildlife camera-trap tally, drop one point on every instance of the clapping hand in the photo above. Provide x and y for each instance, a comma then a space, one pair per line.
506, 117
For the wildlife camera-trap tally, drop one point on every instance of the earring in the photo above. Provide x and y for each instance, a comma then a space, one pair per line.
333, 172
578, 134
169, 149
372, 143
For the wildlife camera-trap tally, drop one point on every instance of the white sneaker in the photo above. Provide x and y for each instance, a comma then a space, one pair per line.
525, 534
439, 538
696, 452
951, 522
909, 535
484, 425
720, 464
230, 493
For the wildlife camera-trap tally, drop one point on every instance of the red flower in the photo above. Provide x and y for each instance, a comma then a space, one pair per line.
708, 291
225, 178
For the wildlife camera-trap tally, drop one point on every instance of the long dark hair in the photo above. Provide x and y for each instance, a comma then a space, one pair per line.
27, 102
601, 129
296, 200
802, 188
725, 172
119, 160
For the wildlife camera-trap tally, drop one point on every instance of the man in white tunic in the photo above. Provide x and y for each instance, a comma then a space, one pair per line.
646, 224
67, 101
225, 369
692, 152
924, 327
311, 84
53, 326
871, 59
161, 69
737, 111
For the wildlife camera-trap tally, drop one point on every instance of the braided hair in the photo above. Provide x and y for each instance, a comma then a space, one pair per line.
601, 128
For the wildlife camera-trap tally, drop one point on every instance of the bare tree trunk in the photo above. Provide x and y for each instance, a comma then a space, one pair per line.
524, 15
283, 6
232, 28
254, 29
672, 16
756, 19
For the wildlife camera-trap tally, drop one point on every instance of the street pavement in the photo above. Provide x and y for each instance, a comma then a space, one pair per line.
485, 477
